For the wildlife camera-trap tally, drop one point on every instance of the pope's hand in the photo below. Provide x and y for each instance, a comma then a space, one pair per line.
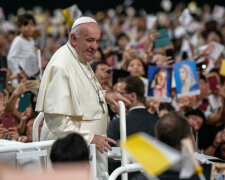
101, 143
112, 99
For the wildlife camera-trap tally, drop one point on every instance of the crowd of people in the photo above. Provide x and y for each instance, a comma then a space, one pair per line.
127, 48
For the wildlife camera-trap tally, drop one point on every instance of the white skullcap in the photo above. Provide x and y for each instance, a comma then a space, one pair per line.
82, 20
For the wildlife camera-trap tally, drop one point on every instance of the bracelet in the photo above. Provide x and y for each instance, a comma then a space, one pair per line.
213, 146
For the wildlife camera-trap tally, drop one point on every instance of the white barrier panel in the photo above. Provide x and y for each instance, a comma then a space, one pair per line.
125, 169
38, 153
26, 146
92, 155
115, 153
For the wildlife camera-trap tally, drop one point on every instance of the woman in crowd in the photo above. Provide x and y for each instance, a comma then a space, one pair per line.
136, 68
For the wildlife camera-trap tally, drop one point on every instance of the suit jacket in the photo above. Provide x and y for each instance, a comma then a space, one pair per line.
137, 120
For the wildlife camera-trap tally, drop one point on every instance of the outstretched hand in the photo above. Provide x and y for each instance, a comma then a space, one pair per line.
153, 105
101, 143
112, 99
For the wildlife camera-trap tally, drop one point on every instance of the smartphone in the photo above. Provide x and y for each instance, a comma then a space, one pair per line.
170, 52
36, 84
213, 83
24, 101
2, 81
7, 120
163, 40
3, 62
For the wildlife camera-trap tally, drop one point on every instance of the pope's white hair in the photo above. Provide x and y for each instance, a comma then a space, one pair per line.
76, 31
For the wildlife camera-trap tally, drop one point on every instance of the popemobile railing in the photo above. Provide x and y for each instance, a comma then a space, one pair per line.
39, 148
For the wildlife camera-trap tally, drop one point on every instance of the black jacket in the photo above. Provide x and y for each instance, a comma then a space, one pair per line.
137, 120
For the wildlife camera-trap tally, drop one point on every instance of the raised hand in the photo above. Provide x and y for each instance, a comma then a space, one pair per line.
164, 60
153, 105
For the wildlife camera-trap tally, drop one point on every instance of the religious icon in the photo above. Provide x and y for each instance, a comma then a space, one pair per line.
160, 83
186, 78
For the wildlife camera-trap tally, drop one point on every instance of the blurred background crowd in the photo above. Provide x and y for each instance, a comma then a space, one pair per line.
126, 48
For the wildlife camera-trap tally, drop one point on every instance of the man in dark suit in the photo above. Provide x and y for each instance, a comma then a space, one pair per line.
138, 118
171, 129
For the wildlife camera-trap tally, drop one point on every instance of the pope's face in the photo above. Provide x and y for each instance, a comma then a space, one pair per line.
87, 43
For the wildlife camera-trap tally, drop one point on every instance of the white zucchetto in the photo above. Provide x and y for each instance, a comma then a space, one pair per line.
82, 20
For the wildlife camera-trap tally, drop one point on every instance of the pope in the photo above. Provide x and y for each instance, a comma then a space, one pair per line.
70, 95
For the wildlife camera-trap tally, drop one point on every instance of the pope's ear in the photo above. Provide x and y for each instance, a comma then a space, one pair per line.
73, 39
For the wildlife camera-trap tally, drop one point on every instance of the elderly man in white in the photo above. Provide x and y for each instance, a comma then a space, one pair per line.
70, 95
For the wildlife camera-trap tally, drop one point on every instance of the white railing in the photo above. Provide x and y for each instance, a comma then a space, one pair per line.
123, 137
35, 130
26, 146
125, 169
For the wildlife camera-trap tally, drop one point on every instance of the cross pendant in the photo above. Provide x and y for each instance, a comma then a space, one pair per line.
101, 104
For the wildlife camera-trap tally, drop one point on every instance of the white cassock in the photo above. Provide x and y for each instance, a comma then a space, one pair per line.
69, 100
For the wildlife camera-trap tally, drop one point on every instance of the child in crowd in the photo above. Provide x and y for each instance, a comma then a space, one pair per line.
22, 51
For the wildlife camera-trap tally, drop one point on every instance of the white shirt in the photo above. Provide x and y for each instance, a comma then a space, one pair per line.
20, 52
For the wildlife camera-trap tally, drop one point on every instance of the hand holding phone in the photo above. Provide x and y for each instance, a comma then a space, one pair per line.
13, 133
170, 53
163, 40
24, 86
